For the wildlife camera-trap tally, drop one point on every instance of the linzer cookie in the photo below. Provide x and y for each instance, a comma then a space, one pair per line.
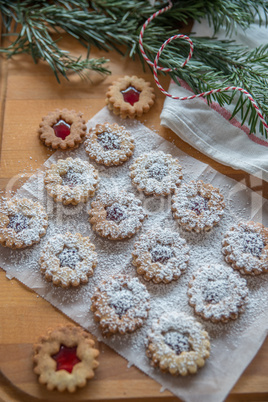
71, 181
130, 97
109, 144
217, 293
245, 247
68, 260
197, 206
160, 255
178, 344
116, 215
22, 222
120, 304
62, 129
65, 358
156, 173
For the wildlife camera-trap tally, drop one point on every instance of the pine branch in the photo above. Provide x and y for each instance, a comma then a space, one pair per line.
35, 39
114, 24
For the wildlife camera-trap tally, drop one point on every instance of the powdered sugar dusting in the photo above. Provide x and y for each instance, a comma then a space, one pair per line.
233, 344
109, 144
108, 141
71, 181
217, 293
22, 222
178, 343
18, 222
68, 259
161, 255
156, 173
116, 215
197, 206
245, 246
120, 304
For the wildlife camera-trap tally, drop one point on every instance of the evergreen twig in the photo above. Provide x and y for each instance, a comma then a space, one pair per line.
115, 24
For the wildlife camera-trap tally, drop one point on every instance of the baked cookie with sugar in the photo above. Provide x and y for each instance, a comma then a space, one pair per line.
65, 358
245, 247
22, 222
71, 181
68, 259
116, 215
130, 97
178, 344
197, 206
160, 255
156, 173
109, 144
62, 129
217, 293
120, 304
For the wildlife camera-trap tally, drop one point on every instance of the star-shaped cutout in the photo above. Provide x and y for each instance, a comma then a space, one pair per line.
66, 358
131, 95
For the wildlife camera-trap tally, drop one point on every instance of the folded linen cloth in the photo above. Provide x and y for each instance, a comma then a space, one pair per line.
208, 128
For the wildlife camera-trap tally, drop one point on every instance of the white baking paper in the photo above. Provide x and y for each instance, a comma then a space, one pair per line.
233, 345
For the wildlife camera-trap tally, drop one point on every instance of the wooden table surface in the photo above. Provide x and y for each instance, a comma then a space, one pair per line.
28, 92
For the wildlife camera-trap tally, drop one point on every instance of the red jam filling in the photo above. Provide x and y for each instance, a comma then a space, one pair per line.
71, 178
199, 204
116, 213
131, 95
158, 171
62, 129
161, 254
66, 358
177, 342
253, 243
109, 141
18, 222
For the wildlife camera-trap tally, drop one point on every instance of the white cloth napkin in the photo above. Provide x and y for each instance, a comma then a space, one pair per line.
208, 129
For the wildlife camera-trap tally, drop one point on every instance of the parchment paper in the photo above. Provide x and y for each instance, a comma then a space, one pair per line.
233, 345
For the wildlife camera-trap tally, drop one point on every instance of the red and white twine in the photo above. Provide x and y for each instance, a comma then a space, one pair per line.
165, 69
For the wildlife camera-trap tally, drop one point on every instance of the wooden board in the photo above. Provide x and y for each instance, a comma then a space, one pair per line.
29, 92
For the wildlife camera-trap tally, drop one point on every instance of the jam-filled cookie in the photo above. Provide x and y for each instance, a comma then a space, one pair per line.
65, 358
109, 144
116, 215
22, 222
130, 97
71, 181
197, 206
178, 344
68, 259
62, 129
217, 293
245, 247
120, 304
156, 173
160, 255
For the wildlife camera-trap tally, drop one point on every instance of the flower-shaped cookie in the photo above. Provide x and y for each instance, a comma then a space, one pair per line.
160, 255
156, 173
116, 215
68, 260
130, 97
245, 247
217, 293
22, 222
65, 358
109, 144
71, 181
120, 304
62, 129
197, 206
178, 344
